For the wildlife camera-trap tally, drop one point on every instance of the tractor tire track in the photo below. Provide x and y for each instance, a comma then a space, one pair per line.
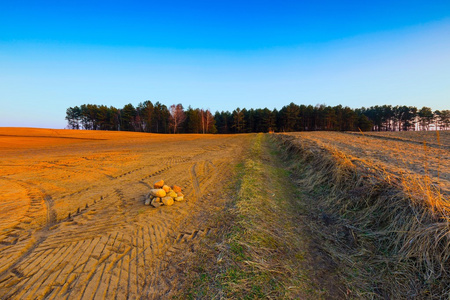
114, 247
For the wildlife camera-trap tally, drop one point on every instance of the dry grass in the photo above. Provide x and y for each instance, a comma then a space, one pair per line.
265, 250
394, 153
416, 137
388, 229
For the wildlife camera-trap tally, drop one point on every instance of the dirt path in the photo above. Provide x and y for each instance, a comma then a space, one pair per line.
111, 246
264, 248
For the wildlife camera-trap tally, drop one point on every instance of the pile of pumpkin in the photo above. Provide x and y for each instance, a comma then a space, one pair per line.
163, 194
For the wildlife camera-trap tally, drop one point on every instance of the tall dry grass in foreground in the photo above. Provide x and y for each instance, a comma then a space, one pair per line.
388, 232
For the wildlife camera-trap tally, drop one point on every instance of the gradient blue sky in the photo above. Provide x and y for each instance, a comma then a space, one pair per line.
220, 55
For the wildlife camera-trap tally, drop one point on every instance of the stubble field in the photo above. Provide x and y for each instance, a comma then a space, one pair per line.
384, 197
411, 155
111, 246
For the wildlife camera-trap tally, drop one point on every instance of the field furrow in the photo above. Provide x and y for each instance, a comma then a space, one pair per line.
78, 226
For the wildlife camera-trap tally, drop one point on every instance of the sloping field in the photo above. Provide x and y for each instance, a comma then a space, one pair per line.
368, 210
382, 205
399, 153
73, 221
437, 139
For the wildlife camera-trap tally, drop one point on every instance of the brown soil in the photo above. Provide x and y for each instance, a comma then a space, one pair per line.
111, 246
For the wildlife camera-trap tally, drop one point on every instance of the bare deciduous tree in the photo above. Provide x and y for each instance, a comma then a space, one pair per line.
207, 120
177, 116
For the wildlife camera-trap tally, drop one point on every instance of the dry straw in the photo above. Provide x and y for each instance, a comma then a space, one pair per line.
389, 232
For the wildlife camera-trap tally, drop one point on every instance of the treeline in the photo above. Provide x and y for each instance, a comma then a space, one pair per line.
404, 118
146, 117
158, 118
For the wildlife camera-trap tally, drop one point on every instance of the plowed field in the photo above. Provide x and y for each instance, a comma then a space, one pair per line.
73, 222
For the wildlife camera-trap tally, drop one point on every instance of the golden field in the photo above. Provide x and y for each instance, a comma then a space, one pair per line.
73, 220
418, 154
382, 204
74, 225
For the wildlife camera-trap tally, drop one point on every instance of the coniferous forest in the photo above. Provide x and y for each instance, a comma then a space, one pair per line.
158, 118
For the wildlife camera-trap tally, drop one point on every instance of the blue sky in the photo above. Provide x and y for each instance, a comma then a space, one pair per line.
220, 55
